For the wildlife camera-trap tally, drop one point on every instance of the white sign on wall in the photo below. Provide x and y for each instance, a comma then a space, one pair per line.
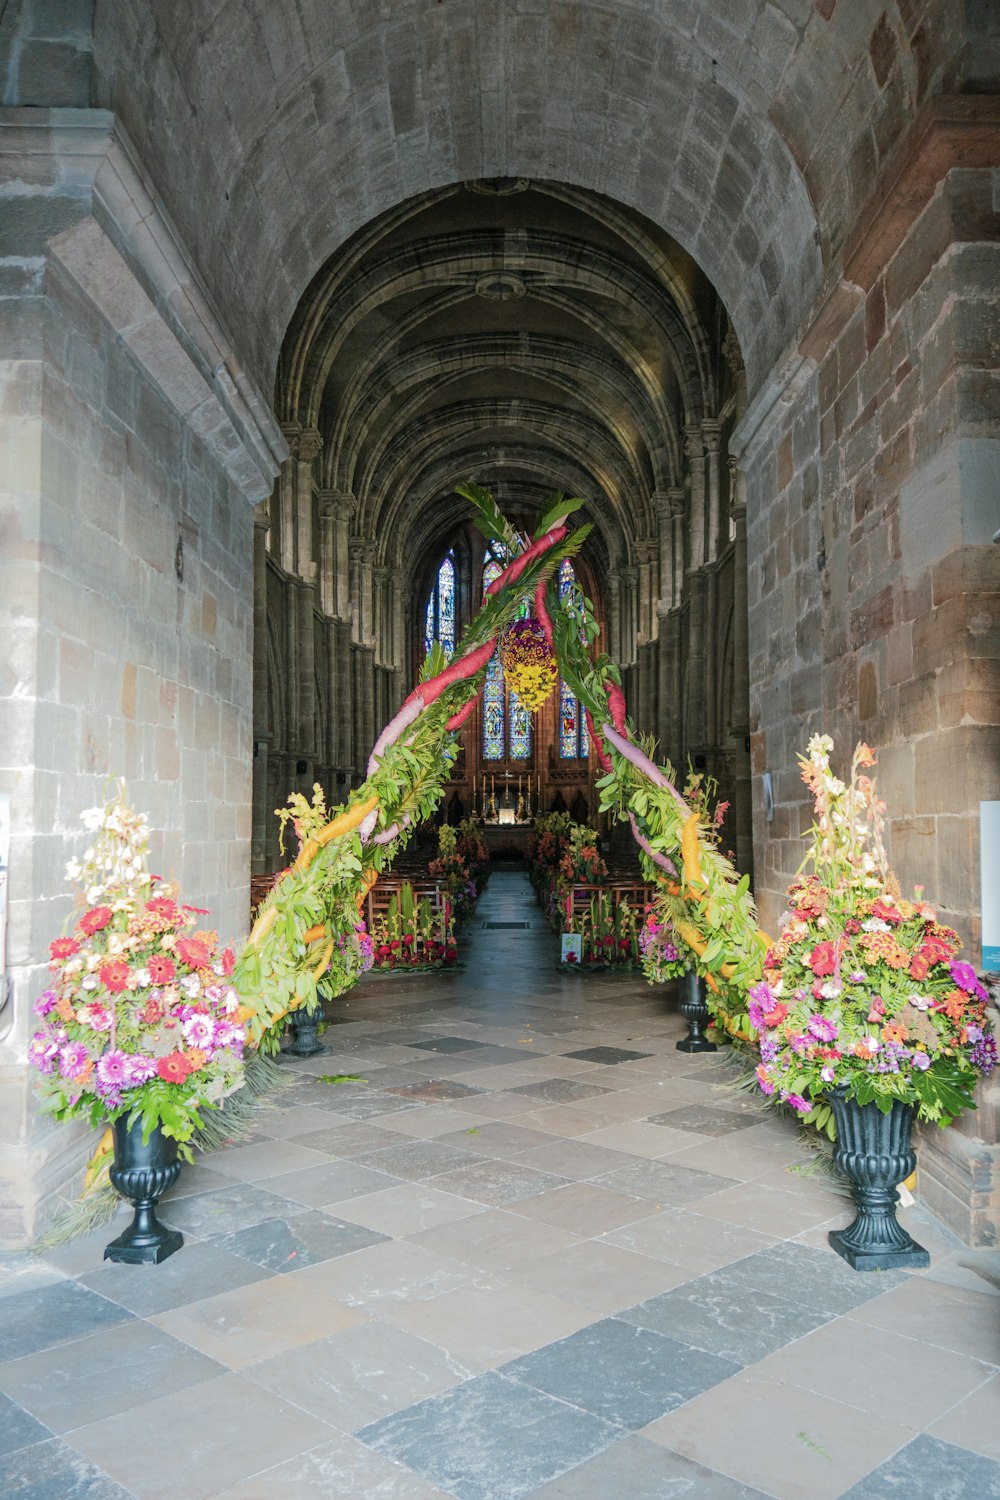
989, 865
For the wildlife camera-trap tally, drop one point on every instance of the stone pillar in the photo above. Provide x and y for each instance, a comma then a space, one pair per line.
381, 619
675, 496
308, 447
362, 563
710, 439
260, 811
615, 614
694, 450
664, 707
630, 610
710, 652
337, 509
648, 551
665, 551
283, 501
741, 670
345, 699
304, 667
326, 571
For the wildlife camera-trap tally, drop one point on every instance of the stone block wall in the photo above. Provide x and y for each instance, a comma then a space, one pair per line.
126, 584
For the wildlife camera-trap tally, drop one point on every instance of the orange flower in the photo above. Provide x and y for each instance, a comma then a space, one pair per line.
894, 1031
196, 1058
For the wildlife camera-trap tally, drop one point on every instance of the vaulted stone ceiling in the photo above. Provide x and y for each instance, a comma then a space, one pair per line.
750, 130
526, 334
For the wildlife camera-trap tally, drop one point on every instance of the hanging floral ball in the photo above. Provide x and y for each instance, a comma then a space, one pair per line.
528, 663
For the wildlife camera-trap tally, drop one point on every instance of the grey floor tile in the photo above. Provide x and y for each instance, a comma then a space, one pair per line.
817, 1278
110, 1371
557, 1091
498, 1138
353, 1378
53, 1471
704, 1120
349, 1141
492, 1439
415, 1161
928, 1469
52, 1315
497, 1182
198, 1270
623, 1373
713, 1314
18, 1428
303, 1239
226, 1209
636, 1470
607, 1056
343, 1469
670, 1185
334, 1182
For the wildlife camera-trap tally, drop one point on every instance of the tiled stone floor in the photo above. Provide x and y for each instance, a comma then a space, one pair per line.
532, 1250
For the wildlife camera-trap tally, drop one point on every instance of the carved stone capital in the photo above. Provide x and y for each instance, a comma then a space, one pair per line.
336, 505
647, 549
381, 573
676, 494
308, 446
694, 448
710, 435
363, 549
261, 520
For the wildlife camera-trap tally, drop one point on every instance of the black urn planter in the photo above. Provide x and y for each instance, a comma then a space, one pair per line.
304, 1026
143, 1173
873, 1151
695, 1012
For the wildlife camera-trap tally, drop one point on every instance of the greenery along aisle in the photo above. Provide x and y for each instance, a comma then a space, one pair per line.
308, 937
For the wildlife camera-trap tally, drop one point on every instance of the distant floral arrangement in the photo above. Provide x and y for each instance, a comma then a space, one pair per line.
140, 1017
864, 990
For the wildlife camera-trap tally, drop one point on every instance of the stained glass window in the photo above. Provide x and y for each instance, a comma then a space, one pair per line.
439, 622
574, 742
506, 723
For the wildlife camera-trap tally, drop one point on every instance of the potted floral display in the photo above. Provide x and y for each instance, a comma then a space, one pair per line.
666, 956
140, 1025
865, 1013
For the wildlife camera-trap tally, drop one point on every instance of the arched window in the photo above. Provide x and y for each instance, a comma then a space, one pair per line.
439, 622
574, 741
506, 724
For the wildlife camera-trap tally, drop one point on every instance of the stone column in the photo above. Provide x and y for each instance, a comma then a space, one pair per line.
664, 707
381, 617
260, 811
326, 572
304, 668
710, 438
648, 551
614, 614
741, 670
694, 450
308, 447
345, 702
665, 545
337, 509
630, 610
283, 544
675, 497
362, 563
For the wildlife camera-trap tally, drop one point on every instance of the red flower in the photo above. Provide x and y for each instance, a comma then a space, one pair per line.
161, 970
174, 1068
920, 966
852, 925
571, 957
114, 975
94, 920
822, 959
228, 960
61, 948
199, 911
194, 952
776, 1014
886, 912
163, 908
451, 954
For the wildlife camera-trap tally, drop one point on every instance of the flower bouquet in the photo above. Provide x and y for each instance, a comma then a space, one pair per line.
139, 1018
528, 663
665, 955
863, 994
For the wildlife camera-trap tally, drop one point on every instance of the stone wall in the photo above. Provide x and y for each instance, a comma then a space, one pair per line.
126, 560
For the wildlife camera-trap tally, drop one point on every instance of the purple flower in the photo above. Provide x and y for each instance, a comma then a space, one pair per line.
227, 1035
73, 1058
964, 976
921, 1061
984, 1054
43, 1052
822, 1028
768, 1050
756, 1015
802, 1106
828, 1074
670, 953
112, 1072
199, 1030
46, 1000
763, 994
138, 1069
